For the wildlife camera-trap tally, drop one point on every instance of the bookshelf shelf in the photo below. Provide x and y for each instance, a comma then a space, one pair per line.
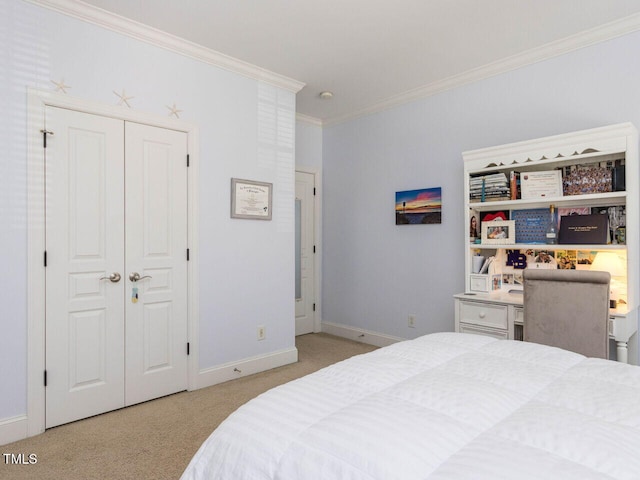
599, 148
593, 200
544, 246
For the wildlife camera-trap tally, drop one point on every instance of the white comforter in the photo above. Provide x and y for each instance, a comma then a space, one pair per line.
443, 406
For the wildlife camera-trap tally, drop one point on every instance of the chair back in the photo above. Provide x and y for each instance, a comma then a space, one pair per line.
568, 309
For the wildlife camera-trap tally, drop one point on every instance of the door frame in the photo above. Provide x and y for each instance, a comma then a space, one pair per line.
317, 241
37, 101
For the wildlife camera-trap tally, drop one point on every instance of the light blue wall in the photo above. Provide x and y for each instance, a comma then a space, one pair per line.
376, 273
308, 145
246, 267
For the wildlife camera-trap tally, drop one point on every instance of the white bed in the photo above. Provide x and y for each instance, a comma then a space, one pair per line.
443, 406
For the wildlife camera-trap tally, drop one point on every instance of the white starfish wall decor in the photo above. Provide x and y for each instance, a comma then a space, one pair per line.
124, 98
60, 86
173, 110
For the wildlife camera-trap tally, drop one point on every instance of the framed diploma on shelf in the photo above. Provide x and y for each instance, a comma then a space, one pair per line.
545, 184
250, 199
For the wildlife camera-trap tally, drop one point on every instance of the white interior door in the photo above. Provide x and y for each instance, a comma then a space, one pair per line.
305, 264
85, 245
156, 249
116, 204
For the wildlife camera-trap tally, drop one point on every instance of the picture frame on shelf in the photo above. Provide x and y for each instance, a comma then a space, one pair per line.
496, 282
540, 184
584, 179
512, 281
498, 232
531, 225
474, 225
584, 230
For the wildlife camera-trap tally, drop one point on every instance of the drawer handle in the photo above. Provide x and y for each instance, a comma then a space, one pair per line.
482, 314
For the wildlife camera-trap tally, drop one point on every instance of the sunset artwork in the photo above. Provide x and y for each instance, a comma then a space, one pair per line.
416, 207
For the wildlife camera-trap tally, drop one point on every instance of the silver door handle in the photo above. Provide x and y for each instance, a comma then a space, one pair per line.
135, 276
114, 277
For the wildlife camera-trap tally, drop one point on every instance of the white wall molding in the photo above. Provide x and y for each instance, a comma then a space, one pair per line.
248, 366
13, 429
139, 31
144, 33
360, 335
568, 44
301, 117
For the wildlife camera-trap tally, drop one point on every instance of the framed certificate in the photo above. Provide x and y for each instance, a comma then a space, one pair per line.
251, 199
545, 184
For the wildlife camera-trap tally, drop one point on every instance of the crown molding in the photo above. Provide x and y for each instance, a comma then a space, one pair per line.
616, 28
301, 117
153, 36
139, 31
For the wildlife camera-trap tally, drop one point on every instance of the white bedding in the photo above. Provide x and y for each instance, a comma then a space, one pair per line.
442, 406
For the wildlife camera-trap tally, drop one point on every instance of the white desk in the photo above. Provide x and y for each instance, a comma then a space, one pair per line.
501, 315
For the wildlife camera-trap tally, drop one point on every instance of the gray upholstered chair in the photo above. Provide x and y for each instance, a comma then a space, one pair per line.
568, 309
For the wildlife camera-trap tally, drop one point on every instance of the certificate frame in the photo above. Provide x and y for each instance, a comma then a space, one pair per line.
251, 199
541, 184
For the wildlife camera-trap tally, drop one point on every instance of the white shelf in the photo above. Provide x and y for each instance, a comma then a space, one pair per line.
592, 200
545, 246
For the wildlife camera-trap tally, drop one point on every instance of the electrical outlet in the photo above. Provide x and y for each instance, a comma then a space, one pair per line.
412, 320
261, 332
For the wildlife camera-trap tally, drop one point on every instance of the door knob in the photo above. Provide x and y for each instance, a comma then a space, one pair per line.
135, 276
114, 277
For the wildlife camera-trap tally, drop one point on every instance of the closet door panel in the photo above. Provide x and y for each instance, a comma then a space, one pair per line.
156, 250
85, 246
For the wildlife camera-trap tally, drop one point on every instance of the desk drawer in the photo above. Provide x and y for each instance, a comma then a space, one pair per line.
489, 332
487, 314
479, 283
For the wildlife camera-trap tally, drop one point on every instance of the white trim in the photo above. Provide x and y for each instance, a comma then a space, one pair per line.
248, 366
301, 117
360, 335
556, 48
37, 100
193, 203
317, 241
13, 429
147, 34
139, 31
35, 267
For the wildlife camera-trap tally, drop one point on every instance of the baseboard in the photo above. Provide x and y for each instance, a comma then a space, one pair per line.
13, 429
248, 366
360, 335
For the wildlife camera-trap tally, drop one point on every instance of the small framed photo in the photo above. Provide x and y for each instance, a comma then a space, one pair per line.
498, 232
250, 199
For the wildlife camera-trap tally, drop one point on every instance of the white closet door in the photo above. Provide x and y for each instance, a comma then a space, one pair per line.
305, 270
85, 244
156, 247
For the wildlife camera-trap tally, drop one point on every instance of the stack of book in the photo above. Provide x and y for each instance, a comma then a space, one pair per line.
488, 188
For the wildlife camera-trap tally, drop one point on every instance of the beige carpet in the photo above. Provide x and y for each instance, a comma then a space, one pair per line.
156, 439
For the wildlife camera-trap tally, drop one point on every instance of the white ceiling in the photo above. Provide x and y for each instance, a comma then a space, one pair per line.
373, 52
